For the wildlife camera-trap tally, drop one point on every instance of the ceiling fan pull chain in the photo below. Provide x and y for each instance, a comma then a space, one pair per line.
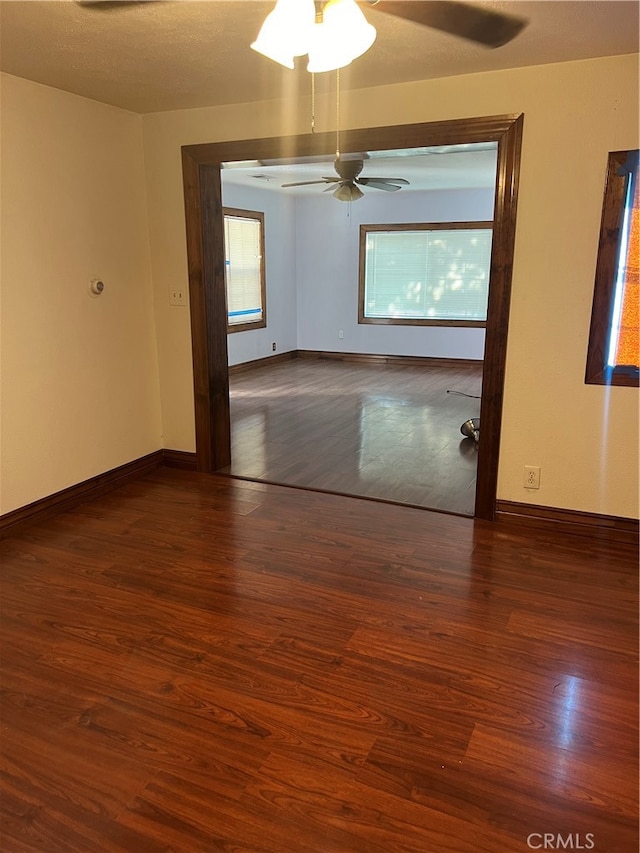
313, 102
337, 113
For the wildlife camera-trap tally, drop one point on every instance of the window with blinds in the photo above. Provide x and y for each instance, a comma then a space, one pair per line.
244, 269
425, 274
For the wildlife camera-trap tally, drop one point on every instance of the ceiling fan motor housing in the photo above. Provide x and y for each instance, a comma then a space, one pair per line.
348, 169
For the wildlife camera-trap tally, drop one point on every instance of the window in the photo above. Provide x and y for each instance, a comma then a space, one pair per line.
244, 269
612, 355
434, 274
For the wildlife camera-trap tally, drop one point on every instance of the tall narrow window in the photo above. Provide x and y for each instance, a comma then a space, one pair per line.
425, 274
613, 355
244, 269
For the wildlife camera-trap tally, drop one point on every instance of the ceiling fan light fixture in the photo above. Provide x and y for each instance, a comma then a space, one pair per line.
287, 31
342, 36
348, 192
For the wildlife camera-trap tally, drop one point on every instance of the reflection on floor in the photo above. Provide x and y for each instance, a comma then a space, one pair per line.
382, 431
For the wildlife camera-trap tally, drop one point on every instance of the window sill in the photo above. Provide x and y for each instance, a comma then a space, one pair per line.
624, 375
403, 321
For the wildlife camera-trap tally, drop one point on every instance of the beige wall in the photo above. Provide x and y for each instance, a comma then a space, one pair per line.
80, 375
79, 386
585, 438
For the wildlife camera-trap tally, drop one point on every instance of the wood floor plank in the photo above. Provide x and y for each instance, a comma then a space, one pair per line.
571, 777
473, 795
61, 760
353, 816
195, 663
26, 825
487, 646
595, 632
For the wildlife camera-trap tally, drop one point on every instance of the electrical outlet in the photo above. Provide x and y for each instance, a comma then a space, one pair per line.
340, 335
531, 477
273, 346
177, 295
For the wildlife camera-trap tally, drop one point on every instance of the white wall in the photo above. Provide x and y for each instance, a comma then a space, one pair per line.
279, 237
312, 247
327, 252
585, 438
80, 391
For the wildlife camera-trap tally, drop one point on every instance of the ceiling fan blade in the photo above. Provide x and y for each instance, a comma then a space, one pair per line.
305, 183
484, 26
366, 181
381, 185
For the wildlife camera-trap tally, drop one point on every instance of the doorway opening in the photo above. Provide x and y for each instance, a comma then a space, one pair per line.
205, 246
377, 309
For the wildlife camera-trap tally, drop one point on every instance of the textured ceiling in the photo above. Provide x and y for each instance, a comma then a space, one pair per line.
194, 53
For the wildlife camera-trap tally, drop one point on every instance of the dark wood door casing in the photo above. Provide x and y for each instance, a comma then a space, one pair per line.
205, 253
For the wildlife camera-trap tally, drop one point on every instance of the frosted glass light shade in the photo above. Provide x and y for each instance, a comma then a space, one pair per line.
287, 31
343, 35
348, 192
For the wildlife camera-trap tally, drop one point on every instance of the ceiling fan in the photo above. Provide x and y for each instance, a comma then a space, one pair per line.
484, 26
348, 181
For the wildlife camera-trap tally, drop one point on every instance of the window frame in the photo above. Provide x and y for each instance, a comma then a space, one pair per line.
258, 215
615, 193
413, 226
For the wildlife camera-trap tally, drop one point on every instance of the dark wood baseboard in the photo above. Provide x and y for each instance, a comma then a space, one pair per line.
568, 521
269, 360
396, 360
507, 512
180, 459
360, 357
16, 520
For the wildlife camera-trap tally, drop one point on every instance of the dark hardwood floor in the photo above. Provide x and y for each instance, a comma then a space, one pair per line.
195, 663
378, 431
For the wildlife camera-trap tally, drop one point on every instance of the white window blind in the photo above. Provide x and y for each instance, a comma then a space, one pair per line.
243, 269
430, 274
